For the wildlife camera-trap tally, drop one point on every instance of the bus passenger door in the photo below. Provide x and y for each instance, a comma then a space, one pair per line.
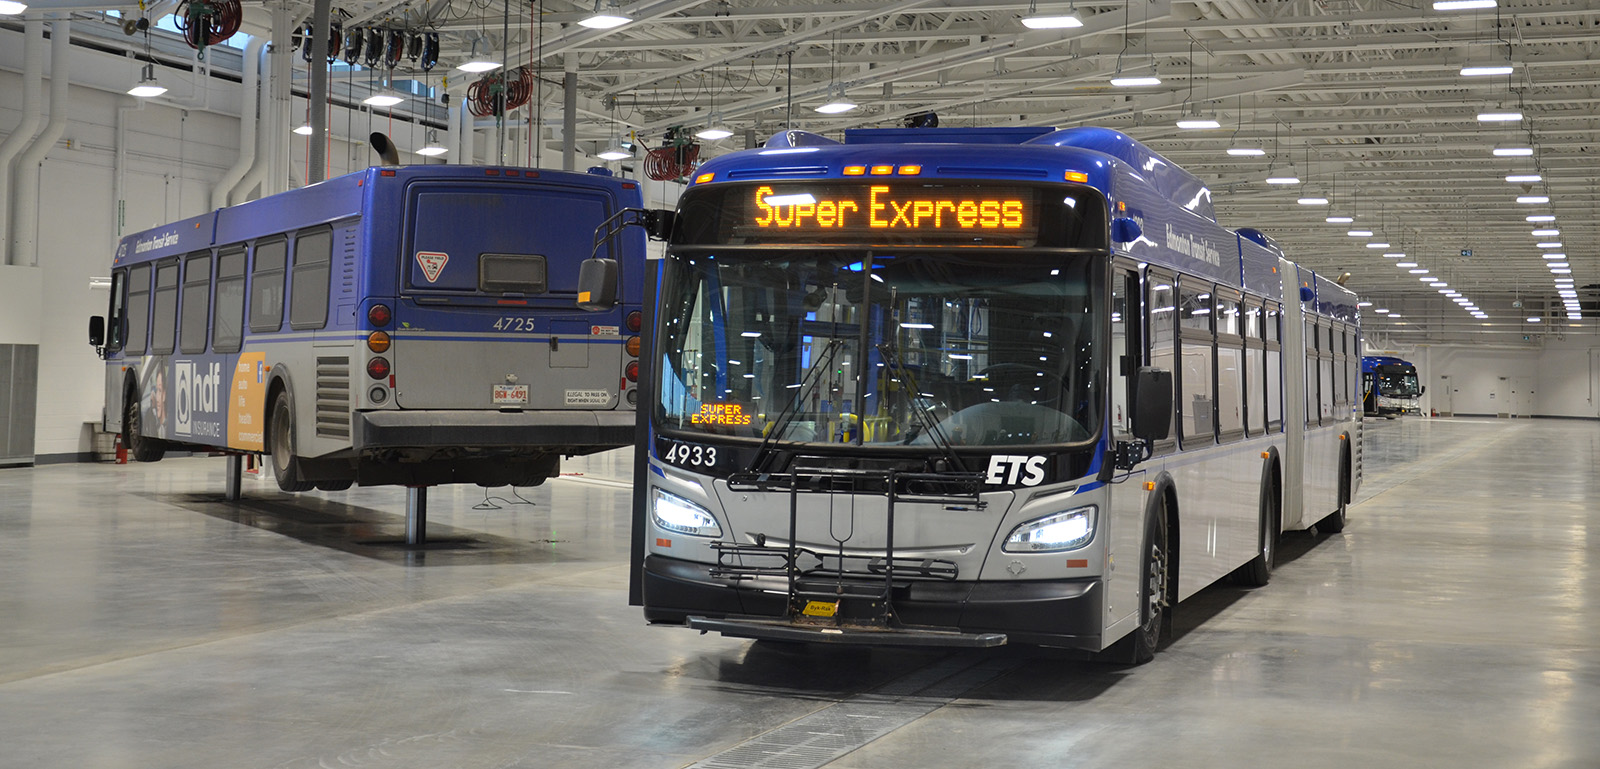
111, 417
1124, 513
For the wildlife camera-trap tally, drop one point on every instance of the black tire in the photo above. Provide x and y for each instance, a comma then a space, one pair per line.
1153, 588
1334, 522
1258, 571
339, 485
141, 448
285, 464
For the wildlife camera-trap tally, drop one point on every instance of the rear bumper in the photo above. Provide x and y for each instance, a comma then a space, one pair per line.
440, 428
1064, 613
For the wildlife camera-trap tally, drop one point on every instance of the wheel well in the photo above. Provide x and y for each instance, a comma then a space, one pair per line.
1344, 470
1174, 540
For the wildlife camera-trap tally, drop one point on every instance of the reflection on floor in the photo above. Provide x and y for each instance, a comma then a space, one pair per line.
144, 622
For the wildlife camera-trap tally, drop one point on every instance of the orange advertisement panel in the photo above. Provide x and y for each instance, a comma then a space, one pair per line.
246, 419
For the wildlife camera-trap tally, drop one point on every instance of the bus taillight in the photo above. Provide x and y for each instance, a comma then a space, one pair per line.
379, 315
632, 370
632, 345
635, 321
378, 341
378, 368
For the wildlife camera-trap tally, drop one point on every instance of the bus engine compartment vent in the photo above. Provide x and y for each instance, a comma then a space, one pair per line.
333, 396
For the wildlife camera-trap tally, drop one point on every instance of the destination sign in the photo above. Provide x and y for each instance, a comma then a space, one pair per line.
881, 206
720, 414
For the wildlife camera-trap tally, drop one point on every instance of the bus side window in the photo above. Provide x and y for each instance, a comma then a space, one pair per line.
164, 324
1230, 367
116, 317
308, 299
1271, 329
138, 309
1196, 374
1125, 357
1163, 323
227, 325
266, 285
196, 303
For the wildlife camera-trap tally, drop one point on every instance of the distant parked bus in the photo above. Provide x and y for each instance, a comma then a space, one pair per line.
412, 325
1389, 387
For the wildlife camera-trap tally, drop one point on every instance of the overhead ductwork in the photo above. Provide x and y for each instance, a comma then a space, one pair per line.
32, 108
249, 97
25, 180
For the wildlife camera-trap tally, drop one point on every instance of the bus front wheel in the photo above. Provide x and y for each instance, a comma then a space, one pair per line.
143, 449
1140, 645
285, 465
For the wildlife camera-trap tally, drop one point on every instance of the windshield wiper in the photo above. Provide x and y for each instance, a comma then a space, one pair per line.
925, 418
780, 423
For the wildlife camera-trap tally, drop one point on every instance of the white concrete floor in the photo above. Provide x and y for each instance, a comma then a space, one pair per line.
146, 623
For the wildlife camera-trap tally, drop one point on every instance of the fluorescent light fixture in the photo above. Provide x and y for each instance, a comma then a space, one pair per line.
712, 133
1531, 199
796, 199
383, 99
1426, 278
433, 149
147, 86
1041, 21
1524, 178
615, 153
836, 106
1554, 265
1512, 150
1394, 255
11, 8
1312, 200
1338, 220
1135, 81
1504, 116
1551, 244
1554, 255
1394, 314
1487, 70
1359, 233
304, 129
1381, 311
1282, 176
1246, 152
1441, 285
1419, 271
1377, 245
1404, 265
1561, 271
1574, 316
1193, 123
1533, 319
607, 15
1461, 5
1541, 218
478, 65
1363, 304
923, 326
1546, 233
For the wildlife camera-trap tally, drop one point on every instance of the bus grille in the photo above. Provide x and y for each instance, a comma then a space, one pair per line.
333, 396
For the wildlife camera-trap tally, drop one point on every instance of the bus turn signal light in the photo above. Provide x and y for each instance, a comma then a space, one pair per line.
633, 346
378, 368
379, 315
378, 341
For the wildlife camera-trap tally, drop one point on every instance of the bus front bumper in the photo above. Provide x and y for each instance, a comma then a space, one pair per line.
583, 431
1062, 613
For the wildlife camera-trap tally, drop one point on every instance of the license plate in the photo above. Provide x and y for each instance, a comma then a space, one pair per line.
820, 608
509, 395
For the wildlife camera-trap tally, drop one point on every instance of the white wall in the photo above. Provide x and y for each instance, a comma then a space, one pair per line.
1564, 376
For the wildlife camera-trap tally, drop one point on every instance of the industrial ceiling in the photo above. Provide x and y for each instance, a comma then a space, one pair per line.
1371, 105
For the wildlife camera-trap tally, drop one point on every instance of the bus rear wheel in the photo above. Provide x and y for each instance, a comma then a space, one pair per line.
142, 448
285, 465
1258, 571
339, 485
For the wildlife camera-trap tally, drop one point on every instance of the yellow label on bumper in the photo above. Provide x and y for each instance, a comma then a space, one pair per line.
820, 609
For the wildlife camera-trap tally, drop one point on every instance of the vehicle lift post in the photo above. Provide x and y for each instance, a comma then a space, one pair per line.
235, 477
416, 515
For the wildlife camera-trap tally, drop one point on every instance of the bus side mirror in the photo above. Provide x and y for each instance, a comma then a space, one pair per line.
1125, 230
1423, 390
659, 223
597, 285
1152, 407
97, 331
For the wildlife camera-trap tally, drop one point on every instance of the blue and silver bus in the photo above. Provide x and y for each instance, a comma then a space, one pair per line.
411, 325
1389, 387
968, 387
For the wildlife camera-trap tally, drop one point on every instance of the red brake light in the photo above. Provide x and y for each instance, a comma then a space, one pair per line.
633, 371
378, 368
379, 315
635, 321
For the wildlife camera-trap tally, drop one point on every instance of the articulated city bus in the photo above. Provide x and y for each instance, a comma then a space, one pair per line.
975, 386
411, 325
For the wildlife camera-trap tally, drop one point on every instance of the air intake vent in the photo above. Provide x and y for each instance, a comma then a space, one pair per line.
333, 396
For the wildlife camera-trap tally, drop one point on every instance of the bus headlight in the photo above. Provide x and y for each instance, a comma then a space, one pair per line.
1060, 531
674, 513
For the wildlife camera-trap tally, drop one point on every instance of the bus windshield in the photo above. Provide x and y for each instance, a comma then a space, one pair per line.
1397, 382
881, 347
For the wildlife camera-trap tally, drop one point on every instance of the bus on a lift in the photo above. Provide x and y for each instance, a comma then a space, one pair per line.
1389, 387
411, 325
975, 386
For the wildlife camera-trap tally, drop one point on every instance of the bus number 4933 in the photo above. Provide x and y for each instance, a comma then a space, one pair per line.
684, 454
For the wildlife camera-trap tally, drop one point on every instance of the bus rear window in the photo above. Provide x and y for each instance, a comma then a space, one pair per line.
511, 274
